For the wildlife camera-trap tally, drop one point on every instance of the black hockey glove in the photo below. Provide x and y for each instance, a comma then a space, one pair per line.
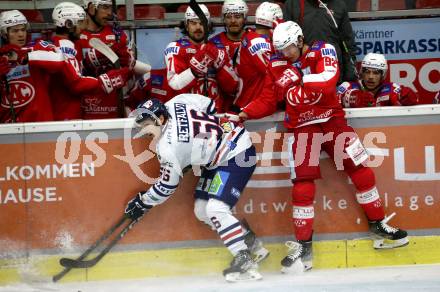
136, 208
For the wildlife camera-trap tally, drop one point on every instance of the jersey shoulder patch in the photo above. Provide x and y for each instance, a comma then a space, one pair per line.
172, 49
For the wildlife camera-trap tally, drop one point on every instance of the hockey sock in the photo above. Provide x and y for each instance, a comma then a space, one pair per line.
367, 194
228, 227
303, 194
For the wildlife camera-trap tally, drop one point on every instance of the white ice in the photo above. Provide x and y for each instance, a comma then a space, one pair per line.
396, 278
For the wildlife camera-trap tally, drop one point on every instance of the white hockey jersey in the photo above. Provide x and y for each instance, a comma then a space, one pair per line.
193, 136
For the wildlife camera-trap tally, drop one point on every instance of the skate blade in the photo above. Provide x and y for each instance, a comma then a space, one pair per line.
388, 244
298, 267
260, 255
250, 275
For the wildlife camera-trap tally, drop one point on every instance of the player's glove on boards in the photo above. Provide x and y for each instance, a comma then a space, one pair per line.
136, 208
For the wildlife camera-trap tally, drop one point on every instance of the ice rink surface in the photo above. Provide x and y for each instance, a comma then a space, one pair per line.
397, 278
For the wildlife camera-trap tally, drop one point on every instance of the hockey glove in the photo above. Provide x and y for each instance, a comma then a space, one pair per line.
114, 79
125, 54
289, 78
200, 63
4, 67
94, 61
358, 98
15, 54
136, 208
408, 96
218, 56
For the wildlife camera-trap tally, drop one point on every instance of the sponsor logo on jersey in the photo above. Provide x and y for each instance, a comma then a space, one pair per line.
263, 46
156, 80
328, 52
218, 183
279, 63
172, 50
191, 51
21, 93
383, 98
110, 37
68, 51
18, 72
182, 122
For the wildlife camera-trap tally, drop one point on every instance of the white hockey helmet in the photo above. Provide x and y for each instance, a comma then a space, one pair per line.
67, 14
267, 13
286, 34
375, 61
235, 6
190, 14
96, 3
11, 18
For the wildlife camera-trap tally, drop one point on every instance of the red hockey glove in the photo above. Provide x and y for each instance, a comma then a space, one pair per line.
408, 96
218, 56
200, 63
15, 54
125, 54
96, 61
114, 79
290, 77
358, 98
4, 66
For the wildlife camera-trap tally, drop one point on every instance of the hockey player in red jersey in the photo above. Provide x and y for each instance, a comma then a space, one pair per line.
254, 53
70, 20
194, 66
305, 77
234, 18
372, 89
26, 75
99, 14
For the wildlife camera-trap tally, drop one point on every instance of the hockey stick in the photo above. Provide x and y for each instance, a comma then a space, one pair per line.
82, 264
101, 47
204, 20
344, 45
106, 235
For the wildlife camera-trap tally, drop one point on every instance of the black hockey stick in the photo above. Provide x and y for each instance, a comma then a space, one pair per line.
204, 20
107, 234
82, 264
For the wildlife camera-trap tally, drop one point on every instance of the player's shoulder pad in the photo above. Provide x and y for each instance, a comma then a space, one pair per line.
172, 49
259, 44
217, 43
386, 87
184, 42
343, 87
317, 45
276, 60
328, 50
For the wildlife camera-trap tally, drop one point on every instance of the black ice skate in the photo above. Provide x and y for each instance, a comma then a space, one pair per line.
258, 251
242, 268
299, 252
386, 236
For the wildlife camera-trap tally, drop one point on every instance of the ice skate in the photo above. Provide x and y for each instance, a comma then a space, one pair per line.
242, 268
300, 252
258, 251
386, 236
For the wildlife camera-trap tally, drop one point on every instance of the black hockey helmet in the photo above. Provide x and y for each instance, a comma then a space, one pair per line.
151, 109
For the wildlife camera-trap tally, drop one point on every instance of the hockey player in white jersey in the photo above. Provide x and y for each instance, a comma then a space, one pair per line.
189, 135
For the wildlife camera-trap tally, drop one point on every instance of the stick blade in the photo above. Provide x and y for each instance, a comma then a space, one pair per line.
100, 46
76, 264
